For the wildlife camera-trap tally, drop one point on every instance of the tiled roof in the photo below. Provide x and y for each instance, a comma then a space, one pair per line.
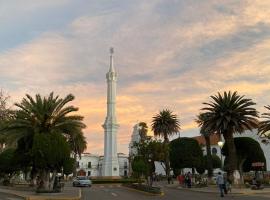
214, 139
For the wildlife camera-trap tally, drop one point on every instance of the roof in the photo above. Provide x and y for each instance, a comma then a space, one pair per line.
214, 139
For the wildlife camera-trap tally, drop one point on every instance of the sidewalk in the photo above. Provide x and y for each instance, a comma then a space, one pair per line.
69, 193
214, 189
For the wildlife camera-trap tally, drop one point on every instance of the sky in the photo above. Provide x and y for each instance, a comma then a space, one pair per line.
168, 54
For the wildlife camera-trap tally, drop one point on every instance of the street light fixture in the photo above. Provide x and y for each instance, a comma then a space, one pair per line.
220, 144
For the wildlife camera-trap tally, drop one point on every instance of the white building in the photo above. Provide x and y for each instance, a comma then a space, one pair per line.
91, 165
135, 138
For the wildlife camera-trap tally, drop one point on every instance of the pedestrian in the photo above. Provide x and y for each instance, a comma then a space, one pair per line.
181, 179
220, 183
189, 180
169, 179
225, 184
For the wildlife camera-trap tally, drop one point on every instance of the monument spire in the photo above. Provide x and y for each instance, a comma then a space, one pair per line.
110, 167
111, 60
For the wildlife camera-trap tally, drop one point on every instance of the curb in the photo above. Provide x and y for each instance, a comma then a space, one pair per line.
201, 191
43, 197
56, 198
214, 192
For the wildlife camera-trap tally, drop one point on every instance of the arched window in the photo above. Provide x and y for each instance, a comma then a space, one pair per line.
214, 151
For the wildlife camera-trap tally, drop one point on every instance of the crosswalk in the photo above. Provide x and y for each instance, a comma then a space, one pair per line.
108, 186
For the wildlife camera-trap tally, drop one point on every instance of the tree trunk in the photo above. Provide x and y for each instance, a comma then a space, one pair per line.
233, 173
209, 157
44, 180
53, 179
33, 176
167, 159
75, 166
241, 170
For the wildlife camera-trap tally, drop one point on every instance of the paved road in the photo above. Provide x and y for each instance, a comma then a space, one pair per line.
110, 192
4, 196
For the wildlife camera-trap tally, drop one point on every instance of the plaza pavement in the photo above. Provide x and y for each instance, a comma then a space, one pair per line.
117, 191
27, 193
214, 189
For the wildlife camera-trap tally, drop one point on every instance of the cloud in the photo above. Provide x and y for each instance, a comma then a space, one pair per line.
168, 55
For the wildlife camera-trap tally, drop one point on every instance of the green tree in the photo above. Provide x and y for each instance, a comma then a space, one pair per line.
150, 151
6, 113
209, 163
185, 153
166, 124
143, 129
8, 165
264, 126
78, 145
248, 151
228, 114
68, 166
216, 161
139, 167
39, 117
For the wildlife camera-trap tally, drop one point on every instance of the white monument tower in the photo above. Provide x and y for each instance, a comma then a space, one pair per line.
110, 166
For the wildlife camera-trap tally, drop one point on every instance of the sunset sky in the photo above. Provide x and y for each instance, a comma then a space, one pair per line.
168, 54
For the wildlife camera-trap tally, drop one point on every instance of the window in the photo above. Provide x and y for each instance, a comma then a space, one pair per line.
125, 165
89, 165
78, 164
89, 173
214, 151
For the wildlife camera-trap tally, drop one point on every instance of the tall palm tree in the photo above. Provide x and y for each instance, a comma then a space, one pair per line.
200, 121
143, 129
228, 114
78, 145
264, 126
165, 124
44, 115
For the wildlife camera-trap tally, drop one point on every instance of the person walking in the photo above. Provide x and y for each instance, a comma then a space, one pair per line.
220, 183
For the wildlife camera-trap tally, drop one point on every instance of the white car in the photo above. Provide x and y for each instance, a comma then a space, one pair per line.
82, 181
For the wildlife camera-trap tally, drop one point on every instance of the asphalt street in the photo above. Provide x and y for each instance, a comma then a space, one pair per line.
4, 196
110, 192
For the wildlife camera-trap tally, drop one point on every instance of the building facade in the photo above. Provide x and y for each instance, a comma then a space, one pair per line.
91, 165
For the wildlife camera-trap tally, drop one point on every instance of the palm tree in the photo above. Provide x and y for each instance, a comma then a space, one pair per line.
228, 114
78, 145
264, 126
165, 124
143, 129
200, 120
43, 116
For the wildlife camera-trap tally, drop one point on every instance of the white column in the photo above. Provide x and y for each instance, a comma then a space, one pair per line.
110, 165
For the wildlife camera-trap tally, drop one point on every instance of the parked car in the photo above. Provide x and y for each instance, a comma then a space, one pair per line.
82, 181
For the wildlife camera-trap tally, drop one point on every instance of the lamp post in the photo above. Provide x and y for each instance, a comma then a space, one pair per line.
150, 178
220, 144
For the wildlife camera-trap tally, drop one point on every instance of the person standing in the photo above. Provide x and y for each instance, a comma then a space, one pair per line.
220, 183
189, 179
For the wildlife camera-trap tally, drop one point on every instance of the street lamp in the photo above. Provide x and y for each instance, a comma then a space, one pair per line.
220, 144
